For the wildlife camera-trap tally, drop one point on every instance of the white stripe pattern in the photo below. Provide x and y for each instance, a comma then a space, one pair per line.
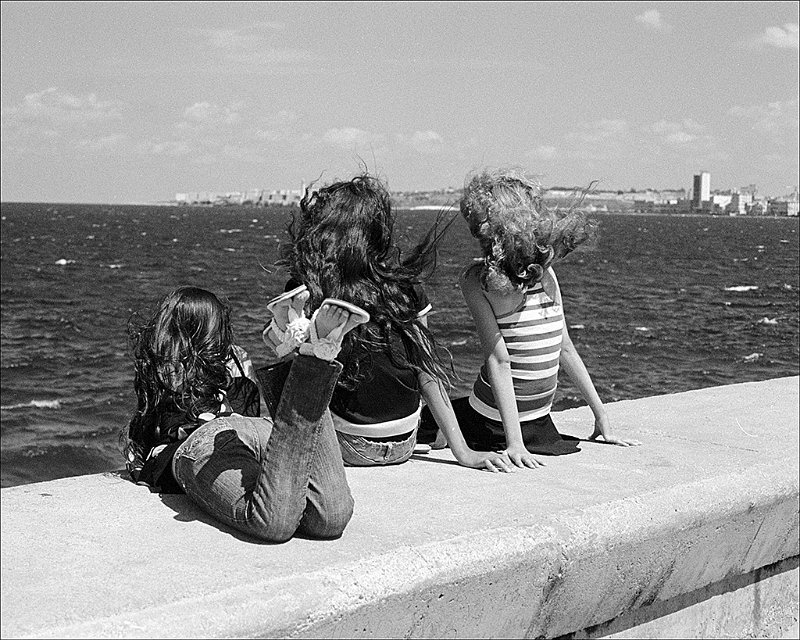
538, 326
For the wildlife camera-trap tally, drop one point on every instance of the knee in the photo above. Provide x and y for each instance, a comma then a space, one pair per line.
338, 519
329, 523
272, 532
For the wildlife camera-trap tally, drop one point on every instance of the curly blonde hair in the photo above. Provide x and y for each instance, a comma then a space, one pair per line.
519, 236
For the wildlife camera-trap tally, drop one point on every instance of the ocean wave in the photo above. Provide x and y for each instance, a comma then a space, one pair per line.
670, 280
38, 404
742, 288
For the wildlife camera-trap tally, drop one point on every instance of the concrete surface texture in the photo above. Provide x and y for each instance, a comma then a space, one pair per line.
437, 550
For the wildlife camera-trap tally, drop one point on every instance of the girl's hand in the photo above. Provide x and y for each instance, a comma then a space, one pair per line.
521, 457
493, 461
603, 428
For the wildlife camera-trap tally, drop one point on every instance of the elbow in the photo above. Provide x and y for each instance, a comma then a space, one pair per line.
499, 361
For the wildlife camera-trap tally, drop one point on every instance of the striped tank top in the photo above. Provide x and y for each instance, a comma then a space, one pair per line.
532, 334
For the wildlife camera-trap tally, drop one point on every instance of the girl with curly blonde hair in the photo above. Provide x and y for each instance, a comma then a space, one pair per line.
514, 298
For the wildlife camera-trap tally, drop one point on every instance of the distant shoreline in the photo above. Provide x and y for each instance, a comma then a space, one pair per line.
427, 207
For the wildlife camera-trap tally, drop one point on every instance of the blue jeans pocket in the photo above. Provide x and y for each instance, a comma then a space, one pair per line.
219, 464
358, 451
197, 442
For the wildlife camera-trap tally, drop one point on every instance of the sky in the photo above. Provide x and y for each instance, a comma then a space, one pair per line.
118, 102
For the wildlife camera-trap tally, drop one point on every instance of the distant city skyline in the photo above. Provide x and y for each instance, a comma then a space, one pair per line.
133, 102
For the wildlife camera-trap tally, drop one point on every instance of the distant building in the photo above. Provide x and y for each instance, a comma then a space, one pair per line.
666, 206
701, 189
740, 203
716, 204
782, 208
283, 197
253, 196
757, 208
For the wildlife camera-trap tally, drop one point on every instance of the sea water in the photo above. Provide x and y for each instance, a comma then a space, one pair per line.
659, 305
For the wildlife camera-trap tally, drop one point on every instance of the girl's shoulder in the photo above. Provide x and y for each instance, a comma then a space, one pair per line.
550, 285
472, 272
501, 304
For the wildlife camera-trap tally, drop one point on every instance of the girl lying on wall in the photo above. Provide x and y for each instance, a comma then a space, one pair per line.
196, 427
514, 298
343, 246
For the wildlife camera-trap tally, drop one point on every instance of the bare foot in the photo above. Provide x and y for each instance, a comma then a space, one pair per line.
283, 313
328, 326
287, 310
331, 316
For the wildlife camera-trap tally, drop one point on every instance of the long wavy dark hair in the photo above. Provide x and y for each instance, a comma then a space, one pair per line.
342, 246
180, 353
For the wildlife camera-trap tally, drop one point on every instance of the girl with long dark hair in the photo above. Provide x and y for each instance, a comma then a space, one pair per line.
196, 427
342, 245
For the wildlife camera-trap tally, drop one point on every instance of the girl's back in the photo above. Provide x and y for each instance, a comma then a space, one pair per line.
531, 324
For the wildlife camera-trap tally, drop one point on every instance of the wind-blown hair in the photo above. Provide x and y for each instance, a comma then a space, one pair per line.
180, 354
519, 236
342, 246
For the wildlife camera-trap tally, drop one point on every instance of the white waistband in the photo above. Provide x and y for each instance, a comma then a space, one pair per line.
378, 429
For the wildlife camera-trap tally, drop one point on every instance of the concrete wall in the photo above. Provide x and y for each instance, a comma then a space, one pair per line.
693, 534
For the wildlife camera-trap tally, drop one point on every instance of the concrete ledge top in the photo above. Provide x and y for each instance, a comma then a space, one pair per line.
96, 556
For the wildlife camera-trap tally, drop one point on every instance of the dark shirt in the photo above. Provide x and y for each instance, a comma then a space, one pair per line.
389, 388
242, 397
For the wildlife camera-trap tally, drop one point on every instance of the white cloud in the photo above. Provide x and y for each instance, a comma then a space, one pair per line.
102, 143
254, 46
206, 113
59, 108
424, 142
600, 131
271, 135
244, 38
542, 152
171, 148
652, 20
778, 118
350, 137
676, 133
785, 37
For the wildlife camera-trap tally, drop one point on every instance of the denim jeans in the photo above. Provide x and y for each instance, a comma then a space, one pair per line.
358, 451
271, 478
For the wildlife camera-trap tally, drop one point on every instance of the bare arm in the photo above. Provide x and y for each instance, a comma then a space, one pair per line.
438, 402
573, 365
498, 366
